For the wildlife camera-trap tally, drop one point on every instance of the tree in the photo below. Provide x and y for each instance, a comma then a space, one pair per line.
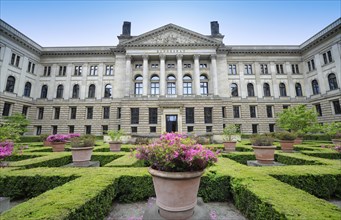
17, 121
297, 118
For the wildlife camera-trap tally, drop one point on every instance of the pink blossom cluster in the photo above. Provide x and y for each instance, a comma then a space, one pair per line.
338, 148
61, 137
175, 152
6, 149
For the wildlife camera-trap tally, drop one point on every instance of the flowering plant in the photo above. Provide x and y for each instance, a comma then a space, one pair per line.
175, 152
61, 137
6, 149
338, 148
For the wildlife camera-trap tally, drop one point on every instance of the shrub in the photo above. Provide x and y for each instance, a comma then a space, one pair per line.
287, 136
229, 131
262, 140
116, 135
43, 137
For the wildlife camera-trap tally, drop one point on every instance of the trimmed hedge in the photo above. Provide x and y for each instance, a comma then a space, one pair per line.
327, 155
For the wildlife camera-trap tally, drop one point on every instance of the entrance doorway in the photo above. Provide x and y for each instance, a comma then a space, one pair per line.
171, 123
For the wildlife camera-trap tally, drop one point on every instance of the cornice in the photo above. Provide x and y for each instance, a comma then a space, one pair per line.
264, 50
78, 51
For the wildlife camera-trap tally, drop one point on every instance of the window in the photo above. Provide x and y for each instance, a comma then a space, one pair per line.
134, 115
38, 130
73, 112
234, 90
133, 129
232, 69
282, 90
223, 111
253, 113
266, 89
286, 106
337, 107
332, 81
271, 127
208, 115
15, 60
43, 93
248, 69
294, 68
318, 109
239, 128
254, 128
190, 128
25, 110
62, 71
93, 70
236, 113
315, 87
154, 65
109, 70
30, 67
60, 91
118, 113
189, 115
106, 112
75, 91
7, 109
250, 90
56, 112
107, 91
187, 85
54, 129
78, 71
47, 71
327, 57
203, 85
138, 66
269, 111
87, 129
138, 85
279, 69
155, 85
298, 89
71, 129
171, 85
152, 115
311, 65
92, 91
27, 89
105, 129
187, 65
264, 69
209, 128
152, 129
202, 65
40, 113
10, 84
170, 65
89, 112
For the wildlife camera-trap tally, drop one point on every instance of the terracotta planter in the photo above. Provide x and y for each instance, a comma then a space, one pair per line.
230, 146
336, 142
265, 154
287, 146
115, 146
81, 155
298, 141
58, 146
47, 143
176, 192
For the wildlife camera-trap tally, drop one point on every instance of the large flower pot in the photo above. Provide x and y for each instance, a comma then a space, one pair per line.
298, 141
230, 146
46, 143
176, 192
336, 142
81, 156
115, 146
264, 154
58, 146
287, 146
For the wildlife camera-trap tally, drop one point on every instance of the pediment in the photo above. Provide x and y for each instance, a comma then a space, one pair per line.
171, 35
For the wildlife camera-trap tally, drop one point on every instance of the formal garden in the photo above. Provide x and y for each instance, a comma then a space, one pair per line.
285, 182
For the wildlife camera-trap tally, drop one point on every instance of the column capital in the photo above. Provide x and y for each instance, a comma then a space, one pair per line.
213, 56
196, 56
179, 56
162, 56
145, 56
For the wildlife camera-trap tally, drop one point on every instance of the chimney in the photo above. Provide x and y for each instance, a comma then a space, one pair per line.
126, 28
214, 28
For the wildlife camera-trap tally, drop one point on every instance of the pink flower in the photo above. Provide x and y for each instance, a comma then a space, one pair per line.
6, 149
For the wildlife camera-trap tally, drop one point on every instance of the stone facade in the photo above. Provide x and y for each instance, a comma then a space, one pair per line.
171, 69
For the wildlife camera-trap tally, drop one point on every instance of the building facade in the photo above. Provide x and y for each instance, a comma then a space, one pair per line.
168, 79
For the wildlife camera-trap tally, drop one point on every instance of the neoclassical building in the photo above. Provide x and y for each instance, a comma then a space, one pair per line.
168, 79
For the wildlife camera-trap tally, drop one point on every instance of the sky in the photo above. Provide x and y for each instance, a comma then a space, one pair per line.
98, 23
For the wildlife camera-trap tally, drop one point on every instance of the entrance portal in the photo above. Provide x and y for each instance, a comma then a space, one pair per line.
171, 123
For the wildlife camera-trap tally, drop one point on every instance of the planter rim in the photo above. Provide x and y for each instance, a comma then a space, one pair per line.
175, 175
264, 147
229, 141
58, 142
115, 142
81, 148
288, 141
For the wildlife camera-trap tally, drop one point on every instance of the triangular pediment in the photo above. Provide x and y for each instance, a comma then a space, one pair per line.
171, 35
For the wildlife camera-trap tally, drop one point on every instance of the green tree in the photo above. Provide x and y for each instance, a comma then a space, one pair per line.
17, 121
297, 118
8, 132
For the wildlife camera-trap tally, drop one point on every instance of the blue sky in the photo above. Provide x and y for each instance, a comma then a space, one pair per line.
97, 23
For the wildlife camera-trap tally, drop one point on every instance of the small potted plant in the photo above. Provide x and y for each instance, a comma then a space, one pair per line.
6, 150
115, 143
58, 141
81, 149
263, 147
337, 139
229, 143
43, 138
287, 141
299, 138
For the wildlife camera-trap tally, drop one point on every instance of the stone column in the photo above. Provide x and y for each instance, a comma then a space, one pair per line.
179, 82
214, 73
128, 79
145, 75
162, 74
196, 78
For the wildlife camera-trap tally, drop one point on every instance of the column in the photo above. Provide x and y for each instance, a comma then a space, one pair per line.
196, 78
214, 73
179, 83
162, 74
128, 79
145, 75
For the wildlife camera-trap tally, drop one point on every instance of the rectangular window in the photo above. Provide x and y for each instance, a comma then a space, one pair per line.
89, 112
54, 129
248, 69
29, 66
187, 65
254, 128
138, 66
62, 71
154, 65
133, 129
269, 111
38, 130
7, 109
56, 112
87, 129
239, 128
264, 69
78, 71
232, 69
253, 113
271, 127
47, 71
152, 129
152, 115
109, 70
236, 113
15, 60
105, 129
93, 70
189, 115
40, 113
170, 65
106, 112
208, 128
118, 113
134, 115
223, 111
71, 129
311, 65
202, 65
295, 69
118, 127
327, 57
208, 115
73, 112
286, 106
337, 107
25, 110
318, 109
279, 68
190, 128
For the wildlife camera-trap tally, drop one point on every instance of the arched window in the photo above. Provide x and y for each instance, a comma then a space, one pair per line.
27, 89
298, 89
282, 90
187, 85
266, 89
138, 85
332, 81
315, 87
234, 89
107, 91
75, 91
171, 85
154, 85
43, 93
250, 90
92, 91
10, 84
60, 91
203, 84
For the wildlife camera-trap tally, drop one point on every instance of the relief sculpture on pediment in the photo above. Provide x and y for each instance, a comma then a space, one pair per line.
171, 38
